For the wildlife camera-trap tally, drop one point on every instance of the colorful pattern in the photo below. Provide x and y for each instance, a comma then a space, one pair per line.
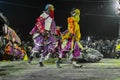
15, 51
12, 36
45, 40
72, 35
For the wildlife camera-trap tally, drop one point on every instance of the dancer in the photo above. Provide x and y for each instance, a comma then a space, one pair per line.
58, 47
44, 34
71, 39
12, 47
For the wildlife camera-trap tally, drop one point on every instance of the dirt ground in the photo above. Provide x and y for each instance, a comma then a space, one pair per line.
106, 69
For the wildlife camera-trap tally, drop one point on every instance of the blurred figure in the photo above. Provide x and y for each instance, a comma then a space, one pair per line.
71, 39
44, 34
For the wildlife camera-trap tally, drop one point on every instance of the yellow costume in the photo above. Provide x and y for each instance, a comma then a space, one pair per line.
74, 28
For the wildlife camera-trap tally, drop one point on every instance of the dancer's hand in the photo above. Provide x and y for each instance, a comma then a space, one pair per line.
71, 35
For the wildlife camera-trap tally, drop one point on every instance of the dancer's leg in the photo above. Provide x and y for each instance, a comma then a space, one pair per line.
41, 60
31, 56
74, 62
57, 62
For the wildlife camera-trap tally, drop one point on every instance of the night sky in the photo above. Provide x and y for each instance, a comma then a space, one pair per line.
98, 17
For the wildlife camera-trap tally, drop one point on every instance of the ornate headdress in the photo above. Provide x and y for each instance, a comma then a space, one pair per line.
75, 11
48, 7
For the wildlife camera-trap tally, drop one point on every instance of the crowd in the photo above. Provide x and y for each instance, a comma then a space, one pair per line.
106, 47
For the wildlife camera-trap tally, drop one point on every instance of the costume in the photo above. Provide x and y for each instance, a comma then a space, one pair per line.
11, 38
9, 48
11, 35
12, 47
71, 37
43, 34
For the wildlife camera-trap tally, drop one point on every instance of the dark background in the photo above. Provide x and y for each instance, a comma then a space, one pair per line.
98, 18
